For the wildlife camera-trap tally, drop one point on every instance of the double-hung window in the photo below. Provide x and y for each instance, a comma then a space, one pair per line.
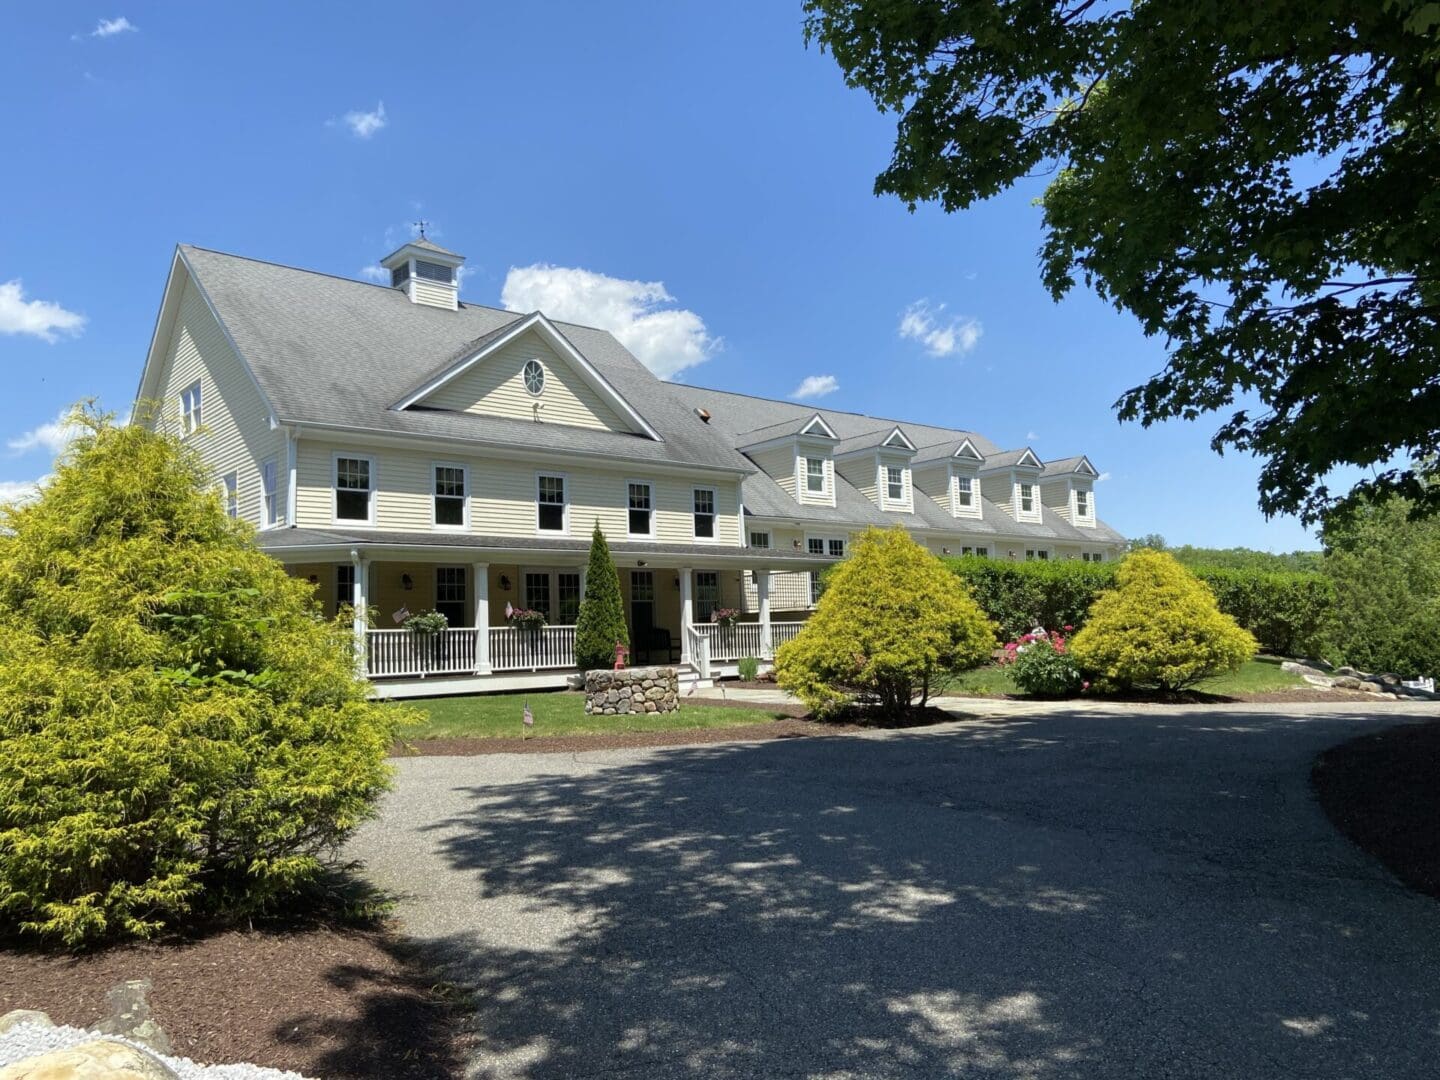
1027, 498
642, 509
354, 490
894, 483
231, 494
814, 587
815, 475
759, 539
1032, 554
190, 408
707, 594
1082, 503
269, 492
964, 491
450, 594
825, 545
449, 497
1092, 556
550, 503
704, 503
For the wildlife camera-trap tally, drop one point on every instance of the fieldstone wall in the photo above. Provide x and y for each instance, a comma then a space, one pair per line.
633, 690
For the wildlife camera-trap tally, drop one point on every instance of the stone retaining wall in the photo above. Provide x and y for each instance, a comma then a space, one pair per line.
634, 690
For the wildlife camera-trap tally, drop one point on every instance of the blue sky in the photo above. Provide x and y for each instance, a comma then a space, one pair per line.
577, 154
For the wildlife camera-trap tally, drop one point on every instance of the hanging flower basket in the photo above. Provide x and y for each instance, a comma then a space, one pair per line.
427, 623
527, 619
725, 616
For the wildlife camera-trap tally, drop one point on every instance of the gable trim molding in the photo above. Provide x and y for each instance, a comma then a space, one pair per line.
560, 343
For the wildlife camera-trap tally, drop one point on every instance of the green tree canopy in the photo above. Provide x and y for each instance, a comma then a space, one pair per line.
1257, 181
182, 735
602, 613
892, 618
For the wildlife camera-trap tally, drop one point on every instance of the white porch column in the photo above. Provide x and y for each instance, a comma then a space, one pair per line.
762, 590
687, 615
358, 602
480, 573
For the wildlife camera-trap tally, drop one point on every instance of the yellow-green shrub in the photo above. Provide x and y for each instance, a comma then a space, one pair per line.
892, 618
182, 735
1160, 626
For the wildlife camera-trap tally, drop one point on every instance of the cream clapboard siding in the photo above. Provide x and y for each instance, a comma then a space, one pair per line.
1000, 491
1056, 497
494, 387
235, 433
935, 482
503, 495
779, 464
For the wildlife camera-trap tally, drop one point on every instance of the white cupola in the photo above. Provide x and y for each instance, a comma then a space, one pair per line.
426, 273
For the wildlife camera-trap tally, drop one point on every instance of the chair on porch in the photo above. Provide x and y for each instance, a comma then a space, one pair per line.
656, 641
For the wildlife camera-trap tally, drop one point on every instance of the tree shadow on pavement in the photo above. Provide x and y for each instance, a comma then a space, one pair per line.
1084, 895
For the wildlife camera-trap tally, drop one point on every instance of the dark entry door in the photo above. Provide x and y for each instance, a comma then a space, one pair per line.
642, 611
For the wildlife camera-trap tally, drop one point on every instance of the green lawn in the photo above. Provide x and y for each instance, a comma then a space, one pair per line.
1258, 676
497, 716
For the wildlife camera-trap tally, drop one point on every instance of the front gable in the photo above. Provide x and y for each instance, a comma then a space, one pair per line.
529, 371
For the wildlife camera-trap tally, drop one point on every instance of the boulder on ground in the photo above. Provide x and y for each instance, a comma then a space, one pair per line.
16, 1017
99, 1059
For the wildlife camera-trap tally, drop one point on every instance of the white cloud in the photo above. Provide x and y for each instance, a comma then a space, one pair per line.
666, 340
1102, 476
110, 27
19, 491
54, 436
363, 124
375, 272
816, 386
38, 318
941, 334
1031, 436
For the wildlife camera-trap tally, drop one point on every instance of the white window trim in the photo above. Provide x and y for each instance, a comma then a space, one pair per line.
465, 502
1037, 554
268, 521
230, 494
1035, 513
553, 574
564, 478
973, 510
803, 494
825, 539
906, 502
191, 409
750, 535
355, 455
654, 510
544, 377
715, 503
1088, 517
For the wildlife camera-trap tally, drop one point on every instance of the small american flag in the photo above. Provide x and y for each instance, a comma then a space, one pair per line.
529, 718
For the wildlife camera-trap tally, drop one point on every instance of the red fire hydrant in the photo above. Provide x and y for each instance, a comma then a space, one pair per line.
620, 653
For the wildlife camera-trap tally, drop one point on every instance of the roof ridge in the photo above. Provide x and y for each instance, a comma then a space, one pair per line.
823, 408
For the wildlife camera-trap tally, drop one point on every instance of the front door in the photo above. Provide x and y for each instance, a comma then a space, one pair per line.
642, 611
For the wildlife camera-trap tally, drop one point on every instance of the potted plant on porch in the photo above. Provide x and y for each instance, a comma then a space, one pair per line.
428, 627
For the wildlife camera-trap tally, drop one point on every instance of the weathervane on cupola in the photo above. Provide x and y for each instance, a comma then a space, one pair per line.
425, 272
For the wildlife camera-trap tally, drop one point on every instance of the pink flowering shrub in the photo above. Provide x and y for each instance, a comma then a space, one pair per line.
1040, 663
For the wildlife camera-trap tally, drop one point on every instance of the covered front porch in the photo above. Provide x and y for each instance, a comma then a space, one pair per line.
669, 598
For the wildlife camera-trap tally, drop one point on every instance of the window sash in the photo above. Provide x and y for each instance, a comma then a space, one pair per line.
232, 495
760, 540
814, 586
353, 489
703, 501
449, 495
835, 548
550, 503
815, 475
1082, 504
190, 408
1027, 498
707, 594
537, 593
894, 483
567, 597
450, 594
269, 507
641, 519
344, 585
964, 490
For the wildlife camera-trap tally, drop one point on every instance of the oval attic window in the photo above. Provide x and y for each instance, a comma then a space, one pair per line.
534, 375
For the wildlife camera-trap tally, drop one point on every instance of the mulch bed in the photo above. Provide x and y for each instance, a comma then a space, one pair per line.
1383, 792
338, 1004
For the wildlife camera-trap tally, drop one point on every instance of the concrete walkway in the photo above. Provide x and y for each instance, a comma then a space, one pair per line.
1067, 892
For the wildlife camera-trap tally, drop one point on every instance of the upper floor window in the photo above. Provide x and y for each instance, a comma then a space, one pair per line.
641, 509
550, 503
232, 494
450, 496
759, 539
354, 493
190, 408
1027, 498
704, 513
815, 475
895, 483
964, 491
833, 546
269, 492
534, 375
1082, 503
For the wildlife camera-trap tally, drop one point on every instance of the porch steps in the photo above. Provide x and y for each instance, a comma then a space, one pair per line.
690, 680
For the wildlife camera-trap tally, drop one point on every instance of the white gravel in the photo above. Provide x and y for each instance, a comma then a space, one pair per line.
27, 1040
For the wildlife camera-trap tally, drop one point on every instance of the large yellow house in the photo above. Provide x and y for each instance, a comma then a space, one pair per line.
405, 451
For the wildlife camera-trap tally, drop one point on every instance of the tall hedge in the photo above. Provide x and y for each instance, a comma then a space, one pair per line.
602, 613
182, 734
1290, 614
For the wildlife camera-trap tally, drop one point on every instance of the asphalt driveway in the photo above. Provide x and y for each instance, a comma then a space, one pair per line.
1133, 892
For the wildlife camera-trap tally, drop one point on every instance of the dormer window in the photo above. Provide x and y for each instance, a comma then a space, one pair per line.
894, 483
1082, 503
1027, 498
815, 475
964, 491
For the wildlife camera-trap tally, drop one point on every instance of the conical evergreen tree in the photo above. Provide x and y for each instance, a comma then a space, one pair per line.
602, 615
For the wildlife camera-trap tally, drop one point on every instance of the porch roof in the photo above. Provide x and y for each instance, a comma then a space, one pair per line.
298, 545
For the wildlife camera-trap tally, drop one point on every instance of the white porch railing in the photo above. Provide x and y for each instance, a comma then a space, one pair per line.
514, 648
398, 653
744, 639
